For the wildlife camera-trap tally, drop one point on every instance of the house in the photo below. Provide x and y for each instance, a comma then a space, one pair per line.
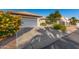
28, 19
77, 24
65, 21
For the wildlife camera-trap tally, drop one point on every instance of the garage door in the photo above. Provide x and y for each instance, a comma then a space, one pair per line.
28, 22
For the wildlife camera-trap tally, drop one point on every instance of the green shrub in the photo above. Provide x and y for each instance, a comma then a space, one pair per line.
63, 28
59, 27
43, 24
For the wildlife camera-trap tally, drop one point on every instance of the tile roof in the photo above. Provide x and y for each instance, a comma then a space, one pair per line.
24, 13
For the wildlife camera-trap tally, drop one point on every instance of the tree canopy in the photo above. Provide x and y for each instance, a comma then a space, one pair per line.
53, 17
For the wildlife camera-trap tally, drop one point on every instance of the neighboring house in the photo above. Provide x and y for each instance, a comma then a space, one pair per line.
77, 24
64, 21
28, 19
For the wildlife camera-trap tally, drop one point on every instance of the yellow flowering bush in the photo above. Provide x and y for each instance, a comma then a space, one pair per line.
9, 24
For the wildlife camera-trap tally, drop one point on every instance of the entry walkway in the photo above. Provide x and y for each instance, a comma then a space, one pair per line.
25, 38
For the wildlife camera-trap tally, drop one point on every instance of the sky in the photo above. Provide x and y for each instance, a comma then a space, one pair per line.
45, 12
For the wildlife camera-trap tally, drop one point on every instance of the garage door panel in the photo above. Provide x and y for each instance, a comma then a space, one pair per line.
29, 22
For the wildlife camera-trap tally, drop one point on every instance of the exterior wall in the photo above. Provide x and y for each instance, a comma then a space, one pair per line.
77, 25
65, 21
38, 22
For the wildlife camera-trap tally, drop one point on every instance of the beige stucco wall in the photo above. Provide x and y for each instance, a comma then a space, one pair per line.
38, 22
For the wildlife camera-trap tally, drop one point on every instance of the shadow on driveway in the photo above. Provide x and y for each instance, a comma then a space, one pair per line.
70, 41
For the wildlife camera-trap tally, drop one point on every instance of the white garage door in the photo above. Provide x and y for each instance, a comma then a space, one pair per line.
28, 22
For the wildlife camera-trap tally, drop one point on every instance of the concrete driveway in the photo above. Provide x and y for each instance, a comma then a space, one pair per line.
45, 37
48, 38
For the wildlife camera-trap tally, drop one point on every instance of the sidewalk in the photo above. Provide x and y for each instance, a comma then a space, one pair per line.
71, 29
